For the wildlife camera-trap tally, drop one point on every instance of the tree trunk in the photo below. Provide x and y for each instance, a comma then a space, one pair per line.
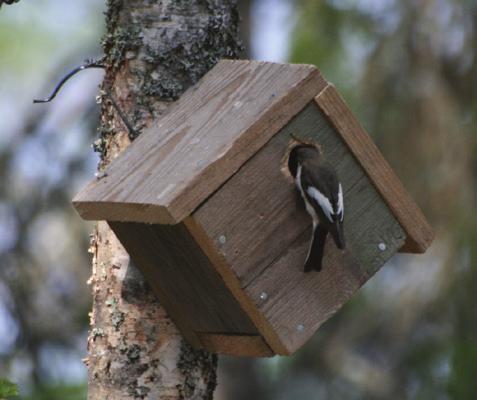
154, 50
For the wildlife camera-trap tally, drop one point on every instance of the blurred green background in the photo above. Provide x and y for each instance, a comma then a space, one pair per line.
407, 68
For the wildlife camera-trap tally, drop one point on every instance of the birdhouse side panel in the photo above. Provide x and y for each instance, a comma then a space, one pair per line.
185, 282
419, 234
261, 230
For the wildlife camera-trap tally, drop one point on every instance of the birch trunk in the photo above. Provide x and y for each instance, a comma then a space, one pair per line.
154, 50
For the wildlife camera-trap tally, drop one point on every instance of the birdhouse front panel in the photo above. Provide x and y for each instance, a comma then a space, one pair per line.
208, 211
260, 229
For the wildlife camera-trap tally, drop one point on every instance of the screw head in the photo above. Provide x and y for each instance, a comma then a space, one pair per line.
263, 296
100, 175
300, 328
222, 239
382, 246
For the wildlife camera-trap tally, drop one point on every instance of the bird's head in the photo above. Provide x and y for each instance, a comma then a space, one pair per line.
299, 150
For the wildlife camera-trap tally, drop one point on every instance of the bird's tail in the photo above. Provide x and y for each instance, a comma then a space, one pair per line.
337, 233
315, 253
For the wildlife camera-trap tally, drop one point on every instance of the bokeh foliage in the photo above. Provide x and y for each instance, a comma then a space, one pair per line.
45, 155
408, 70
7, 389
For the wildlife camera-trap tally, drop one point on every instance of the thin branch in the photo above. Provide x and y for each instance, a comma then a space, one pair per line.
86, 65
133, 133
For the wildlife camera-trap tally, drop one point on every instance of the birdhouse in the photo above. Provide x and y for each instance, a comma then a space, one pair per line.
207, 211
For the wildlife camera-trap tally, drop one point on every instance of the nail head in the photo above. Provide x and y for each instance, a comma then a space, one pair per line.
100, 175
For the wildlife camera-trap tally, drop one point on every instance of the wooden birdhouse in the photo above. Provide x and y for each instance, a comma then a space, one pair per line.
205, 209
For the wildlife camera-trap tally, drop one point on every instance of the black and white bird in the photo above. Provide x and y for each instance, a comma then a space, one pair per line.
317, 181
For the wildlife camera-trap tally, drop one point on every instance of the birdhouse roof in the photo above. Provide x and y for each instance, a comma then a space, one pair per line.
216, 127
204, 138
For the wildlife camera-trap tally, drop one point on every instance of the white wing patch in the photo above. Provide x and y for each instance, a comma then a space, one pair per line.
322, 200
340, 203
298, 178
308, 206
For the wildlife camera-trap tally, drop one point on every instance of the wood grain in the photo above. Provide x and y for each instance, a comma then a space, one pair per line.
212, 130
250, 236
236, 345
182, 277
419, 233
233, 284
267, 232
258, 212
298, 303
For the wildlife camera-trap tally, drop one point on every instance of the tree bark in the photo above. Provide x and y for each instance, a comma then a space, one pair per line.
154, 50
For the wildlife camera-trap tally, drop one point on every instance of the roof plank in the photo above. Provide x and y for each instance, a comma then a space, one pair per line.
209, 133
407, 212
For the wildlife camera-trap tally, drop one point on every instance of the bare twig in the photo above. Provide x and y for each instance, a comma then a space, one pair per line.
90, 64
133, 133
296, 138
86, 65
306, 142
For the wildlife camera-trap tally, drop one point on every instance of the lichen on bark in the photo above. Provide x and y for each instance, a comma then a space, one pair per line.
163, 47
154, 50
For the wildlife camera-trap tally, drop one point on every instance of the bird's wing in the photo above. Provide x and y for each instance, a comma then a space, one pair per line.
322, 201
323, 188
340, 202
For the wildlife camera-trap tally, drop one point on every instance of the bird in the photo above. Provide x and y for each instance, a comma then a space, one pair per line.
317, 181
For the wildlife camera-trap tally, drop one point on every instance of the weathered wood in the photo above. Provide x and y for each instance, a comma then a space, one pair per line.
262, 236
419, 233
181, 276
204, 139
230, 273
232, 282
258, 213
297, 303
236, 345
